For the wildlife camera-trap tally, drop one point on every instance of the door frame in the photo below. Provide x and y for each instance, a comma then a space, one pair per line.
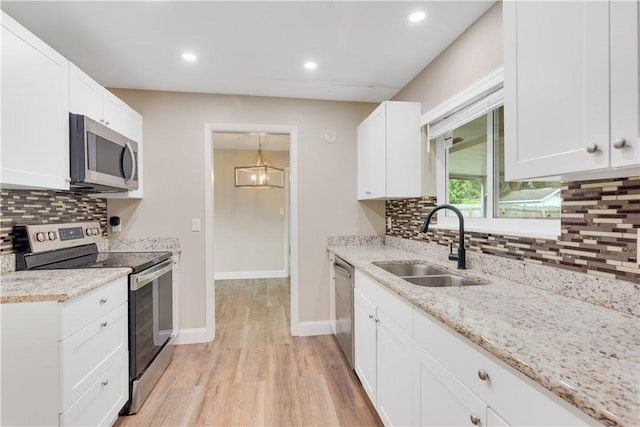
209, 130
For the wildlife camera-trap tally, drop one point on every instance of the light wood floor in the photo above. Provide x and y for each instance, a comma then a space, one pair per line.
254, 373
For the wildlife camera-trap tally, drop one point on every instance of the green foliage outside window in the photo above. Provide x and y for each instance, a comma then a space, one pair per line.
464, 191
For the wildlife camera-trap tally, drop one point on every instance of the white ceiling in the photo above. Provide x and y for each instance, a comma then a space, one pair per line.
365, 50
245, 141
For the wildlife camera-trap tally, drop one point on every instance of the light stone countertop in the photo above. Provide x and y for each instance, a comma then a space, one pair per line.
586, 354
54, 285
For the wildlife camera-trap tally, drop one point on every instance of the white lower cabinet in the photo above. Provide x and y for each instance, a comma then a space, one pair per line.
66, 362
439, 398
383, 350
417, 371
480, 384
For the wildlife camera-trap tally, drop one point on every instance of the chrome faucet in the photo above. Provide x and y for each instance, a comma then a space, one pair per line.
461, 256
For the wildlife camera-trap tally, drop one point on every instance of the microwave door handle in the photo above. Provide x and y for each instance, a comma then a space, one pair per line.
127, 179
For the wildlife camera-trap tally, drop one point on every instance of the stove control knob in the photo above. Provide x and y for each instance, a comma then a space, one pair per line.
89, 231
52, 235
40, 237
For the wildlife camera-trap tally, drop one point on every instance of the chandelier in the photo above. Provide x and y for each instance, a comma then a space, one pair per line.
260, 174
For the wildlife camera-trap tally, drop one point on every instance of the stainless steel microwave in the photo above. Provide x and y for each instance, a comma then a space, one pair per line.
101, 159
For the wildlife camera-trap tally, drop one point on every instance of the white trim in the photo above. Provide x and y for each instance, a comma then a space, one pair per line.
192, 336
265, 274
519, 227
308, 329
209, 129
479, 89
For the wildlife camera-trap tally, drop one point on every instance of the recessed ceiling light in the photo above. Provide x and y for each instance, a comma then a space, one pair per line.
310, 65
188, 56
417, 16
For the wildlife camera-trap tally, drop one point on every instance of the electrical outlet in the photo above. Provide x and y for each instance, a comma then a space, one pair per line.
195, 224
388, 223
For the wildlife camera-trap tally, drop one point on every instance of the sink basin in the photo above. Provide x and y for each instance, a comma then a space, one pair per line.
441, 281
410, 270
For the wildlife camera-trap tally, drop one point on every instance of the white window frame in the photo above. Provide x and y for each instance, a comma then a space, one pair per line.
484, 96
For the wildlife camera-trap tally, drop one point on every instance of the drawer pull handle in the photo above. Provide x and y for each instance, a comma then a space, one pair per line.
474, 420
103, 324
619, 143
103, 300
105, 382
482, 374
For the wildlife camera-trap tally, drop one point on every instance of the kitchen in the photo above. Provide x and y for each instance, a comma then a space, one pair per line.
324, 188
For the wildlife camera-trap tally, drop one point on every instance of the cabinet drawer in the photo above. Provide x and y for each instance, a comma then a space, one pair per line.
87, 355
78, 312
102, 402
398, 310
518, 399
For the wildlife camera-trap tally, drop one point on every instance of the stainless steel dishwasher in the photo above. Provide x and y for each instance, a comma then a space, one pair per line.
343, 272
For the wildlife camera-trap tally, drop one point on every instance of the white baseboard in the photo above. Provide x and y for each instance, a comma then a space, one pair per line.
307, 329
192, 336
234, 275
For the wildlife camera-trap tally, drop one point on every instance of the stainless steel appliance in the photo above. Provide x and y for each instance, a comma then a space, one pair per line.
151, 328
101, 159
344, 284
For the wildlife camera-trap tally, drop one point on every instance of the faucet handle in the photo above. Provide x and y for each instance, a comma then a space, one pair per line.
452, 256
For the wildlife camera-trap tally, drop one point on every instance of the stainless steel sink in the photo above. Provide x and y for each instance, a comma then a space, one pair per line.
441, 281
410, 270
424, 275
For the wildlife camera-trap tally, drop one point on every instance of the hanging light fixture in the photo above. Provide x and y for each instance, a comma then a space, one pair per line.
259, 175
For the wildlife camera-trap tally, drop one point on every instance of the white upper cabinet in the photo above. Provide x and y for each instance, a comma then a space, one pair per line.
88, 97
35, 107
571, 89
389, 152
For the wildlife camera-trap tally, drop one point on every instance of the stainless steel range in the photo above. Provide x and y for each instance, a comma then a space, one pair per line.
151, 329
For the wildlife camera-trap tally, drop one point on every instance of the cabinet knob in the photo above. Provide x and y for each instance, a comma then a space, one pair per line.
474, 420
371, 316
103, 300
367, 192
104, 324
377, 320
482, 374
105, 382
592, 148
619, 143
101, 120
106, 122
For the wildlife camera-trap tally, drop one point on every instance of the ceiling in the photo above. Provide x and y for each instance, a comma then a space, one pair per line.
365, 50
249, 141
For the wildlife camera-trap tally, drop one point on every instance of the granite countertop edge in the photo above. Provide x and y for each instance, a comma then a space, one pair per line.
54, 285
583, 396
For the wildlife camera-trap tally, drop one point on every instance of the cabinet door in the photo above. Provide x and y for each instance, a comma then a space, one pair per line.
556, 87
85, 94
364, 329
364, 160
439, 398
625, 72
495, 420
35, 108
394, 373
114, 112
378, 148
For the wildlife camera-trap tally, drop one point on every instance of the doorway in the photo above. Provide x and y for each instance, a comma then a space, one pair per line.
290, 254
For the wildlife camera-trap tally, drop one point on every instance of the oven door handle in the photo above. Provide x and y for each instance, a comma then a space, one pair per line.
140, 280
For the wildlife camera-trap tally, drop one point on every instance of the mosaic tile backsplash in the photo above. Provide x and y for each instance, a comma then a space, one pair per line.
600, 221
42, 207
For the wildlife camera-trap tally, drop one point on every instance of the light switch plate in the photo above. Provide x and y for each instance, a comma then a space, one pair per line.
195, 224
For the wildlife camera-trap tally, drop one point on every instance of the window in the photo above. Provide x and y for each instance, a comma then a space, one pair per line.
470, 175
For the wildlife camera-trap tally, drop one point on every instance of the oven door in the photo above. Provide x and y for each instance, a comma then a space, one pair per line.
150, 315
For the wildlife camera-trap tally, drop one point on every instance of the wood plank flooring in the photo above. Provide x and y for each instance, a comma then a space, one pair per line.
254, 373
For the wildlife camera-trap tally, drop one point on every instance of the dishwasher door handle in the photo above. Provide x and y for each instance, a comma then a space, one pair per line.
342, 271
